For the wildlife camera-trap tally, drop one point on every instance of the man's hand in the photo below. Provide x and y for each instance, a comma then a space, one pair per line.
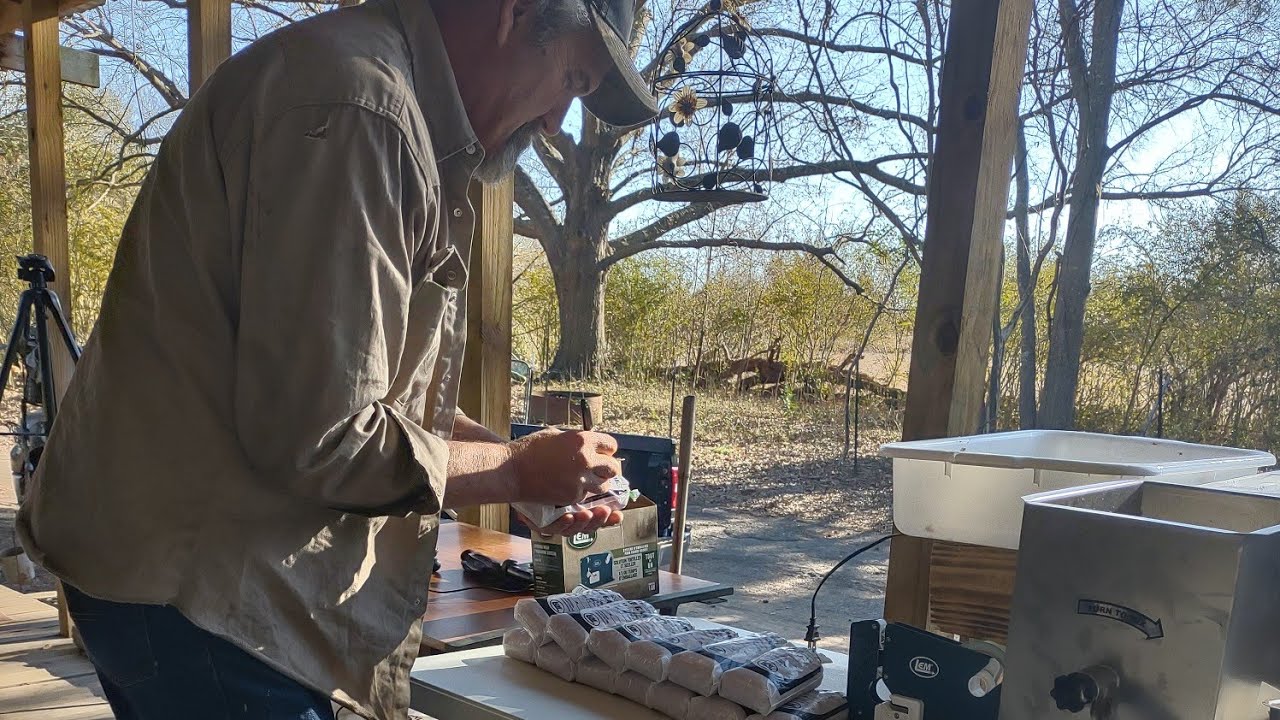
550, 467
583, 521
561, 468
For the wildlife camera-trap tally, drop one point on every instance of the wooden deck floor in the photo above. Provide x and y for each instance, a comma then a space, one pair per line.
42, 675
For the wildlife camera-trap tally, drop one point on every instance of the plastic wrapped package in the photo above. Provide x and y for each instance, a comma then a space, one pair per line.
615, 495
571, 630
700, 670
634, 687
816, 705
610, 644
651, 657
715, 708
533, 613
518, 644
773, 679
671, 700
552, 659
595, 673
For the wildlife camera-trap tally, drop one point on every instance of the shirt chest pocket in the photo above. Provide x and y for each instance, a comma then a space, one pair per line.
428, 304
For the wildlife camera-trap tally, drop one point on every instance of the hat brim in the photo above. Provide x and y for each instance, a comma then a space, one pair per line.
623, 99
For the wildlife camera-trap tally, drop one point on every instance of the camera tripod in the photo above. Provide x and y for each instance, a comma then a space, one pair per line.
36, 306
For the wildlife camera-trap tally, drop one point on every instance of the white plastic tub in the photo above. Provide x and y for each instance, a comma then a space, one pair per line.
970, 489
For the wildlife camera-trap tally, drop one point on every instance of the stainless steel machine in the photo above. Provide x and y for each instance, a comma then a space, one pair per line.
1145, 601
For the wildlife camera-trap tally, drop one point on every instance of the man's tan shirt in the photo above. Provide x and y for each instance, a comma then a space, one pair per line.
256, 433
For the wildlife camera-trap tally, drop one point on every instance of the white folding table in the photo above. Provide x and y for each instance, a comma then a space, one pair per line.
483, 684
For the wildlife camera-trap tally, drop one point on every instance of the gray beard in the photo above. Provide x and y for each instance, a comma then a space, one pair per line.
501, 163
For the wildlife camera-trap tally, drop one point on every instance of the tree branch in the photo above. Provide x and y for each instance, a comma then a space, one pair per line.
541, 223
551, 151
1192, 103
826, 255
643, 239
837, 47
91, 30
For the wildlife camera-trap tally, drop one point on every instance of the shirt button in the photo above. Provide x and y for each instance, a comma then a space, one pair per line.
451, 276
471, 149
457, 212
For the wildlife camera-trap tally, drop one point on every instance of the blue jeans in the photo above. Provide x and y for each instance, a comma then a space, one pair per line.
155, 664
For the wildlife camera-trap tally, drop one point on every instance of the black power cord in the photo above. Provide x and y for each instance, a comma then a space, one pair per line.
506, 577
811, 635
477, 587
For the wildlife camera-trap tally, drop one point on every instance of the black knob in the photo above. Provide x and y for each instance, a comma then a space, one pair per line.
1074, 692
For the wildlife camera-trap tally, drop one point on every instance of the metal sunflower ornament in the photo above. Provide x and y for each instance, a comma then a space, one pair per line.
683, 106
716, 84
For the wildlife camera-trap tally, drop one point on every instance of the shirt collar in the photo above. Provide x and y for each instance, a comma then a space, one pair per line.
433, 80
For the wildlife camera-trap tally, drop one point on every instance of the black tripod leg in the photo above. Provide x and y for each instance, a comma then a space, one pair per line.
64, 327
19, 329
46, 362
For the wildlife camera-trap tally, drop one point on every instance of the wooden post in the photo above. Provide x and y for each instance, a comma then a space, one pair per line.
486, 371
688, 416
43, 62
968, 192
208, 38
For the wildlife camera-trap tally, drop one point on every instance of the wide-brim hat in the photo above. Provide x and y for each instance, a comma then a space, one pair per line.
623, 98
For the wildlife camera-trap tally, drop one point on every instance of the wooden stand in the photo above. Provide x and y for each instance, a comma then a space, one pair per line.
486, 371
968, 194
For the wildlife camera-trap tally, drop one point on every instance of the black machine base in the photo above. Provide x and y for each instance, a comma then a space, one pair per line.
918, 665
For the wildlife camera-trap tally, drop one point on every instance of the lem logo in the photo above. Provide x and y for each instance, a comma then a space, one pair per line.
924, 667
582, 541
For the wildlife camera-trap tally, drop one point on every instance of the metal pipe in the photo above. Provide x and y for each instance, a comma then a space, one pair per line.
687, 413
848, 418
857, 412
1160, 405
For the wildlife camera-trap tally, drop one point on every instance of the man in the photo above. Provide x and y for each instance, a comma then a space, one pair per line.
242, 488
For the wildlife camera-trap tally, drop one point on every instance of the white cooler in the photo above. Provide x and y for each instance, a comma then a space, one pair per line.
970, 489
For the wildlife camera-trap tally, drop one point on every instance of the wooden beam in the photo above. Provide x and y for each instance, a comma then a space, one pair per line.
43, 62
78, 66
208, 38
13, 13
486, 371
968, 193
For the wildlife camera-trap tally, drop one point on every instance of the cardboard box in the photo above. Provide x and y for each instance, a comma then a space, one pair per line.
623, 558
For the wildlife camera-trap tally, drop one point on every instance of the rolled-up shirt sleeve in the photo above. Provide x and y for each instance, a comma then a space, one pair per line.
339, 207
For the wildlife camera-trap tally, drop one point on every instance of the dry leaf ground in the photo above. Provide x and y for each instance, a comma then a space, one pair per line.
773, 505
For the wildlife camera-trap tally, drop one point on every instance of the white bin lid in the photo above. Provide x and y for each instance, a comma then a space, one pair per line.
1079, 452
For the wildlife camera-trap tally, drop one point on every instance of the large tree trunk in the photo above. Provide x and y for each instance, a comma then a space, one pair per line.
1093, 85
1026, 291
580, 296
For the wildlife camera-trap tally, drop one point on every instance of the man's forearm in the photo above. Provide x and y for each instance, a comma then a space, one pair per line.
464, 428
479, 473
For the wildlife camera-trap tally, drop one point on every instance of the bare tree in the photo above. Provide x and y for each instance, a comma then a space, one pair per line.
1135, 72
590, 202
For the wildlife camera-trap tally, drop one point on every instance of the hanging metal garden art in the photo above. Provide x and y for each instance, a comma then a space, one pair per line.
715, 86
